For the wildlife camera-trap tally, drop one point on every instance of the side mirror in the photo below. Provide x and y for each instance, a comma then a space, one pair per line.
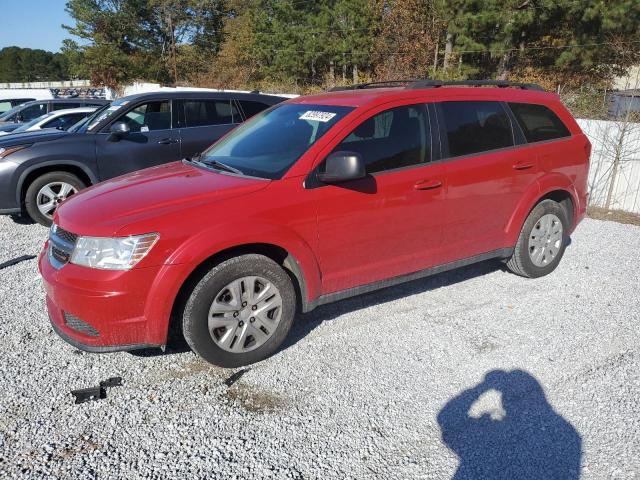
342, 167
118, 130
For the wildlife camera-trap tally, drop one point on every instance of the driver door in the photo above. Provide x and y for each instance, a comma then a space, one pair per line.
151, 141
389, 223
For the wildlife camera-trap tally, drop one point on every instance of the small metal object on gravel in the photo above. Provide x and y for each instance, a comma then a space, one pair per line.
96, 393
111, 382
89, 394
235, 377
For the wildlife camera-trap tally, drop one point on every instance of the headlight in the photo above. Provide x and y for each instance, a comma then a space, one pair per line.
5, 151
112, 253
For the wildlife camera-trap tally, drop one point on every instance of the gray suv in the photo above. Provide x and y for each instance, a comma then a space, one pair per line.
38, 170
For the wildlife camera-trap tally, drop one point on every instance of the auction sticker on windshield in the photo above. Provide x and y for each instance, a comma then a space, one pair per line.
317, 116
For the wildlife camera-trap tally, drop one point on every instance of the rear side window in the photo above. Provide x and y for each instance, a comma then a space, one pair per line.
476, 127
64, 121
200, 113
538, 122
32, 111
252, 108
392, 139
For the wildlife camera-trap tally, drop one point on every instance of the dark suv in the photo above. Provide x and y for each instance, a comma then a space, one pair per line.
315, 200
38, 170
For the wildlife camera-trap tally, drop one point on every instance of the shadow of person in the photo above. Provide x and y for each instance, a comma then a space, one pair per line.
526, 439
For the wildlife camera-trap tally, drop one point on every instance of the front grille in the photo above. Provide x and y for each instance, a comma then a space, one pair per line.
61, 245
59, 255
66, 236
78, 325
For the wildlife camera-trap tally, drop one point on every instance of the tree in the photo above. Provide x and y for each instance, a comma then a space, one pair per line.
410, 39
147, 39
28, 65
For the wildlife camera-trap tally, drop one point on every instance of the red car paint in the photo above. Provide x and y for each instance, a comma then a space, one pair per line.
336, 238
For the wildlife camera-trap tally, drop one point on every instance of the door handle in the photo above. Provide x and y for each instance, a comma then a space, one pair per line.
523, 166
166, 141
427, 184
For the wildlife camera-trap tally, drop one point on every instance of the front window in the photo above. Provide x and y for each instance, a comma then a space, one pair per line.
272, 141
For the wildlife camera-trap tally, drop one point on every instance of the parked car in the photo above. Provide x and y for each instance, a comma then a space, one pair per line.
60, 119
6, 105
12, 97
32, 110
40, 169
315, 200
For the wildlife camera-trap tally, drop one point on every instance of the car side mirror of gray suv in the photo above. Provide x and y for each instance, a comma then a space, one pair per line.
342, 167
118, 130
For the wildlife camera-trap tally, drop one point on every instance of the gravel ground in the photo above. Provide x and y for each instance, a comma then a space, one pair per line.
389, 385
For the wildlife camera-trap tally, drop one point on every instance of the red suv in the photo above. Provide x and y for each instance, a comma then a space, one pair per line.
312, 201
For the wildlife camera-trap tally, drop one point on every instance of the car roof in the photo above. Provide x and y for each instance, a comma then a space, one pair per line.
371, 96
100, 101
204, 94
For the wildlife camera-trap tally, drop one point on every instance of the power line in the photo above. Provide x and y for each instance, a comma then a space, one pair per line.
549, 47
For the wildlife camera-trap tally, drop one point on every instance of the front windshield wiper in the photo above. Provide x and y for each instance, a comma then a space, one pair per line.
215, 164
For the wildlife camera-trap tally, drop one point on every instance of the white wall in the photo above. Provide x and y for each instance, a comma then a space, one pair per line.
605, 138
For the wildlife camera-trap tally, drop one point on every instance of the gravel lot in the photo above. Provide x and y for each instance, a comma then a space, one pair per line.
361, 387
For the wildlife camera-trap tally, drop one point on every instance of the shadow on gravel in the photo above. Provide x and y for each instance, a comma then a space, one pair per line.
526, 439
306, 323
22, 220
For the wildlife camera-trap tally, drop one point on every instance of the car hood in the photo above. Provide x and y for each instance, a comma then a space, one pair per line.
107, 208
35, 136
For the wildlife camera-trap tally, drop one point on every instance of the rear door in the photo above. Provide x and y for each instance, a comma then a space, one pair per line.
486, 175
389, 223
203, 121
151, 141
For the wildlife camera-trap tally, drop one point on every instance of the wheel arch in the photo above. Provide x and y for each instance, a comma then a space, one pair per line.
31, 173
170, 317
553, 187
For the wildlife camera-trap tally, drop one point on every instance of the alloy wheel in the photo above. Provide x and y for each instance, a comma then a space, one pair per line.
545, 240
51, 195
245, 314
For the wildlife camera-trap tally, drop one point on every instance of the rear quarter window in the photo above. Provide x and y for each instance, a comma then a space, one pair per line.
476, 126
538, 123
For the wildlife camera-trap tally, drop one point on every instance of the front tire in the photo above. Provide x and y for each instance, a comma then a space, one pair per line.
240, 312
542, 241
47, 191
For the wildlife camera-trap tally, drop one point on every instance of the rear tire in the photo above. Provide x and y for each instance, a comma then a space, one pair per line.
47, 191
222, 326
542, 241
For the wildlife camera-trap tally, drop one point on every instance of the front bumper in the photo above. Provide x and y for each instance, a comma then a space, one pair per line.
112, 305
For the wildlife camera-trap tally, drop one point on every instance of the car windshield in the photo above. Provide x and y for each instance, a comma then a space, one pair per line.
9, 113
91, 123
25, 126
271, 142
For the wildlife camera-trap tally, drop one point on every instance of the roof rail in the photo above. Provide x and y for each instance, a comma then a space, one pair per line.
382, 84
473, 83
428, 83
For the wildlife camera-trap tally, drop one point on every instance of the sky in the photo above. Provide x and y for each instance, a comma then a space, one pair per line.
33, 24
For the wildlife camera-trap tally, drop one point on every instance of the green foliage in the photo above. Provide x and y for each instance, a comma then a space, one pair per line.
306, 44
156, 40
27, 65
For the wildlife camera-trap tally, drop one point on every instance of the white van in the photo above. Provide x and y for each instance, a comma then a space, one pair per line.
12, 97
